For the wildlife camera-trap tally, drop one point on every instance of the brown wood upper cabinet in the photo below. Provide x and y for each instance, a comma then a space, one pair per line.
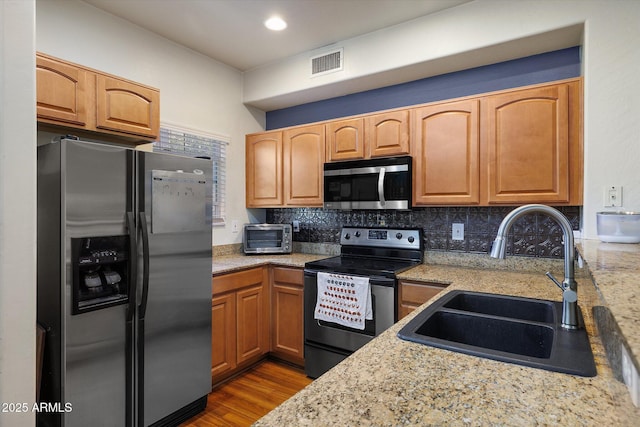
127, 107
533, 143
387, 134
345, 139
264, 169
377, 135
513, 147
510, 147
446, 153
63, 91
284, 168
78, 97
303, 150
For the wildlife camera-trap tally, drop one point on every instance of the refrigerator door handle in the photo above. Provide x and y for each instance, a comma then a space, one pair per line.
133, 265
145, 265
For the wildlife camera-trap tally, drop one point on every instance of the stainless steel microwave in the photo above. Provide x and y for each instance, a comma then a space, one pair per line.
267, 239
368, 184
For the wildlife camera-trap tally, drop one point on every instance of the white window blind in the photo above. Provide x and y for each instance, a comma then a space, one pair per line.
193, 143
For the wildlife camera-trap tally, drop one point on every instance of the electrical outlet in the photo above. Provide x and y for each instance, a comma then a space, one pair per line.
613, 196
630, 375
234, 226
296, 226
457, 231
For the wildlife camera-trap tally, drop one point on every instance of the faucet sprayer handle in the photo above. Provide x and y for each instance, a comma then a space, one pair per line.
554, 280
568, 294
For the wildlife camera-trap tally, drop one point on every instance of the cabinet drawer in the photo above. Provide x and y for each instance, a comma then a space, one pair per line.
237, 280
294, 276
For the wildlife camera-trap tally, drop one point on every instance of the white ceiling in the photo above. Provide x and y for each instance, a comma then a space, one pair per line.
232, 31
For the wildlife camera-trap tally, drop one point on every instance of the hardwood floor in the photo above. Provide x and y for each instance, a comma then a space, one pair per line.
245, 399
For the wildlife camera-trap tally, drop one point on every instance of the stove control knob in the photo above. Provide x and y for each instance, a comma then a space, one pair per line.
398, 236
357, 234
347, 236
411, 239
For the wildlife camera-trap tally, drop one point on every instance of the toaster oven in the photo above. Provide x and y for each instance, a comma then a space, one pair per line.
267, 239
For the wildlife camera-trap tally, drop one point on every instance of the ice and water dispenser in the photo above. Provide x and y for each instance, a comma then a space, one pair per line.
100, 272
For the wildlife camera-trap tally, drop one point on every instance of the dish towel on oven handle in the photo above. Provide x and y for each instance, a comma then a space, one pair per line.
343, 299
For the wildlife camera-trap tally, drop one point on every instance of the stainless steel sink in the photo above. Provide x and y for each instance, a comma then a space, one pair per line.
523, 331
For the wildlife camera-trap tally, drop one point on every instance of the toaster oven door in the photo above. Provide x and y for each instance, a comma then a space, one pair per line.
266, 239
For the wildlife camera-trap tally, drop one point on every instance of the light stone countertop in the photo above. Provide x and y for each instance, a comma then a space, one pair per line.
615, 269
395, 382
234, 262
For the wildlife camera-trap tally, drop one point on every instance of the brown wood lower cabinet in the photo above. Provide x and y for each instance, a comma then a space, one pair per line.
240, 321
223, 334
412, 294
287, 323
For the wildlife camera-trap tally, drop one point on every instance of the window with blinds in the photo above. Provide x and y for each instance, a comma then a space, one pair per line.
196, 144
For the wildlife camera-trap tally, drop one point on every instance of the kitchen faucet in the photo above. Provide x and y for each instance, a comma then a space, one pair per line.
569, 286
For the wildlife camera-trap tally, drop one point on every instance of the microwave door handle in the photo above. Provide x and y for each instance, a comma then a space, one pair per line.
381, 186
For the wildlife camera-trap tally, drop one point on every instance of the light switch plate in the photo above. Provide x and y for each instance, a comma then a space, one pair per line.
630, 376
457, 231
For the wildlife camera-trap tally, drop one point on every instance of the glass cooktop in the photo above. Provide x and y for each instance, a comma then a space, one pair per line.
362, 265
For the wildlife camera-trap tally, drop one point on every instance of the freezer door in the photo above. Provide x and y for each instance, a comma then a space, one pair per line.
96, 195
175, 306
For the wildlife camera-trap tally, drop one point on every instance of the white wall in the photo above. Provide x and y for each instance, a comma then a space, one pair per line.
195, 91
17, 209
486, 31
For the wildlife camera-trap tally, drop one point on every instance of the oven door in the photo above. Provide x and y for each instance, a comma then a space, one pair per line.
318, 332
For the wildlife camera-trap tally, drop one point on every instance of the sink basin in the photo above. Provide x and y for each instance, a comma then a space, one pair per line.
523, 331
503, 306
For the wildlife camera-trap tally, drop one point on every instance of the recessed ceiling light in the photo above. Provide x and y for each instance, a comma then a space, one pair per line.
275, 23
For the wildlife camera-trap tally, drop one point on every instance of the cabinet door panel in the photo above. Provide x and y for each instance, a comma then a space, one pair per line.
345, 140
126, 107
304, 149
446, 150
62, 91
387, 134
528, 146
223, 334
287, 323
287, 335
252, 326
264, 169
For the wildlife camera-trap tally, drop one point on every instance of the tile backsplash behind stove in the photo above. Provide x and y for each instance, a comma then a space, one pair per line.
534, 235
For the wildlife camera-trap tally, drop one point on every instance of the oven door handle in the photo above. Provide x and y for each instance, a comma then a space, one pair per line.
381, 186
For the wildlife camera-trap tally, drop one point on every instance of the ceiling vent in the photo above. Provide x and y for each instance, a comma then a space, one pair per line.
327, 63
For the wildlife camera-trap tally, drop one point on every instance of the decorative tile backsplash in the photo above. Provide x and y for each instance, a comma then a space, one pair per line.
534, 235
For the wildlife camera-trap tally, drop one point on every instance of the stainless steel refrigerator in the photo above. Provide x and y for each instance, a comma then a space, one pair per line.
124, 285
